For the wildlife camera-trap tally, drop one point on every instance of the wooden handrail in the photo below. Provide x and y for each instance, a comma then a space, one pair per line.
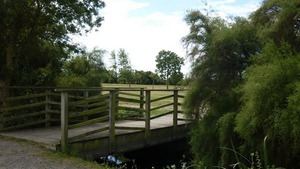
83, 109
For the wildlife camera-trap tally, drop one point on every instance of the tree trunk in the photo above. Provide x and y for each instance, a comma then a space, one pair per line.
167, 83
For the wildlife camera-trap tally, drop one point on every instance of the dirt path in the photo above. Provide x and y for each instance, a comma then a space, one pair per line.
23, 155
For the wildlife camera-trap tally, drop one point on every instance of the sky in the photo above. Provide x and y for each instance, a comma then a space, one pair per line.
145, 27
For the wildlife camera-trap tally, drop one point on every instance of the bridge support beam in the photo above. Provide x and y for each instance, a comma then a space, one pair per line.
64, 121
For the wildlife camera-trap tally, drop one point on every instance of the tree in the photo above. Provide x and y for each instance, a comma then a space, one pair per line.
121, 67
123, 58
246, 85
176, 78
271, 89
114, 67
221, 53
35, 37
168, 63
85, 70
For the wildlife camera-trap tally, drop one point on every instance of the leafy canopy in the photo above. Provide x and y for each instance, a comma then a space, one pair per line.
168, 64
36, 37
246, 84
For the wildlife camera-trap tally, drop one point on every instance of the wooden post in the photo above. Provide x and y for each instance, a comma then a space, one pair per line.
142, 95
175, 111
112, 120
86, 95
47, 108
147, 116
4, 94
64, 121
1, 106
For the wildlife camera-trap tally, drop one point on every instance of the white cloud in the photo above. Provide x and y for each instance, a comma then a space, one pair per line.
144, 36
225, 8
141, 36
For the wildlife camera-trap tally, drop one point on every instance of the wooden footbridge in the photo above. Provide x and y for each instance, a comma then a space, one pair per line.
93, 121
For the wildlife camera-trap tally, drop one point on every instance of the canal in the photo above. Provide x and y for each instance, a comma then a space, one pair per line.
158, 157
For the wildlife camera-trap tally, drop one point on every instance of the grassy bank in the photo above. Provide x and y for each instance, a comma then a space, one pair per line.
13, 148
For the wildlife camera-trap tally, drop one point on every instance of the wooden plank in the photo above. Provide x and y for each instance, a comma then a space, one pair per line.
131, 118
181, 96
24, 106
130, 128
175, 110
85, 123
6, 119
130, 94
89, 112
88, 133
21, 126
54, 103
160, 115
142, 102
47, 108
88, 100
161, 98
30, 96
76, 97
131, 109
54, 111
99, 104
147, 117
64, 121
182, 119
112, 121
124, 99
162, 106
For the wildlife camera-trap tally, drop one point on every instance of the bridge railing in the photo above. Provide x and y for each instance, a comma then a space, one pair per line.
76, 109
28, 107
119, 104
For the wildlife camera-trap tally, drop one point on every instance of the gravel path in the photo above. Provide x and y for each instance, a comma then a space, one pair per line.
22, 155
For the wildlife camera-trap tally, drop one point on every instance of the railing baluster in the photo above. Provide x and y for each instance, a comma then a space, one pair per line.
64, 121
147, 116
47, 108
112, 120
86, 95
175, 111
142, 98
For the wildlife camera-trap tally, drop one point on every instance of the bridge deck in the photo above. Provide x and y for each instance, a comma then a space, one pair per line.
50, 137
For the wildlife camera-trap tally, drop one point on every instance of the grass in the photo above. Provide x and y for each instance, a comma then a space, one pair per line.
154, 95
59, 157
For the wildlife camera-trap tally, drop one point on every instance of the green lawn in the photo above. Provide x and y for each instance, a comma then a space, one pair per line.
154, 95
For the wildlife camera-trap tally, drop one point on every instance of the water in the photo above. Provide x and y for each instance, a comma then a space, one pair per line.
161, 156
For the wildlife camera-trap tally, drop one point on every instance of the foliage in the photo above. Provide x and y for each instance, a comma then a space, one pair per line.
121, 71
35, 36
245, 84
169, 64
86, 70
270, 85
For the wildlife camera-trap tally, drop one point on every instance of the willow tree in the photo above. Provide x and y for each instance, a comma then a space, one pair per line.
270, 102
221, 53
35, 37
246, 82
